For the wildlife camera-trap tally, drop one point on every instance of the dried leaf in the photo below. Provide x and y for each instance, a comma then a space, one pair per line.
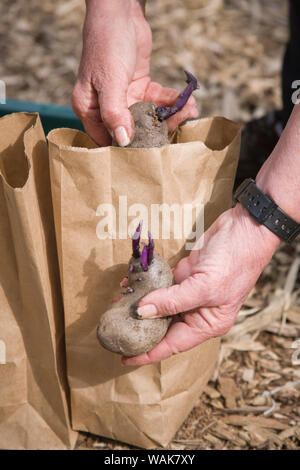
248, 375
293, 315
222, 431
230, 391
261, 435
259, 421
289, 432
289, 331
244, 345
211, 392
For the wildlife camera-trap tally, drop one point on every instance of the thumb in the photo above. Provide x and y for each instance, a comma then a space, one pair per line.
112, 98
188, 295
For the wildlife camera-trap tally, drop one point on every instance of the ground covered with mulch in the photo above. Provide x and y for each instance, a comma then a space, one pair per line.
235, 48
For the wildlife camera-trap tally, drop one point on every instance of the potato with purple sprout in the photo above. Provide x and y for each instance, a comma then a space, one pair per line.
120, 330
151, 129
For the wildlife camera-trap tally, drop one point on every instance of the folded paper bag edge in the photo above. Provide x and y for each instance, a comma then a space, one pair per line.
56, 137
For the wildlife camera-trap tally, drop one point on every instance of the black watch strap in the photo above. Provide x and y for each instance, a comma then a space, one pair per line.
266, 211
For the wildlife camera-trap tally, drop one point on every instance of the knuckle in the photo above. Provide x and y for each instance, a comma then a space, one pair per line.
221, 329
99, 77
109, 115
77, 101
171, 348
223, 326
171, 306
193, 288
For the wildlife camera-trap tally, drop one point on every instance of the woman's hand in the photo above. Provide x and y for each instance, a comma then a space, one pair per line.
212, 284
114, 72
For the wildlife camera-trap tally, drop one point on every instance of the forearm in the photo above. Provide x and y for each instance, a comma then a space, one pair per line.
279, 177
106, 7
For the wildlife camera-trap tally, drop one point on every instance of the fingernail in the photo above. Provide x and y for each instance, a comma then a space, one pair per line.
121, 136
147, 311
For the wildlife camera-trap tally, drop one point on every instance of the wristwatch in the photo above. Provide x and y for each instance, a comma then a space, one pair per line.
265, 211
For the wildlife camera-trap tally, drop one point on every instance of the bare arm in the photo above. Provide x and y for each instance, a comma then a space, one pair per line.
280, 175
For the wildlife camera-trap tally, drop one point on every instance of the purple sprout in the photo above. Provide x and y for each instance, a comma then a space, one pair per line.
164, 112
136, 241
144, 258
147, 252
150, 249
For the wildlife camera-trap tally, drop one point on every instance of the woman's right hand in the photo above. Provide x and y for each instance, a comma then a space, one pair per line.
114, 72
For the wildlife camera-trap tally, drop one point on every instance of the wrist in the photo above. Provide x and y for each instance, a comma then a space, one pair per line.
259, 237
279, 176
283, 192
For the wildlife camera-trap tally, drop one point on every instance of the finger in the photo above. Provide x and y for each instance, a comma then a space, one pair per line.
183, 270
188, 295
95, 128
112, 98
189, 111
162, 96
179, 338
85, 106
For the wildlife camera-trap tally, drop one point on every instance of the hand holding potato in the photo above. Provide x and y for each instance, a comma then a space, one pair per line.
114, 72
212, 284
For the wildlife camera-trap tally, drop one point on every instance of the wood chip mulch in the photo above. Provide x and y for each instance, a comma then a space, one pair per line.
235, 48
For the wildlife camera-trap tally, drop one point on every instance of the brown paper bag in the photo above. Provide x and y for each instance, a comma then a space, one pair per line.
94, 188
33, 390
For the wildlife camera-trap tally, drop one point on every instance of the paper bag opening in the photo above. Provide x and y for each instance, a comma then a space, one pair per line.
14, 164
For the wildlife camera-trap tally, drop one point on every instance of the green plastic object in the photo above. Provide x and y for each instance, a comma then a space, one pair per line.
52, 115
